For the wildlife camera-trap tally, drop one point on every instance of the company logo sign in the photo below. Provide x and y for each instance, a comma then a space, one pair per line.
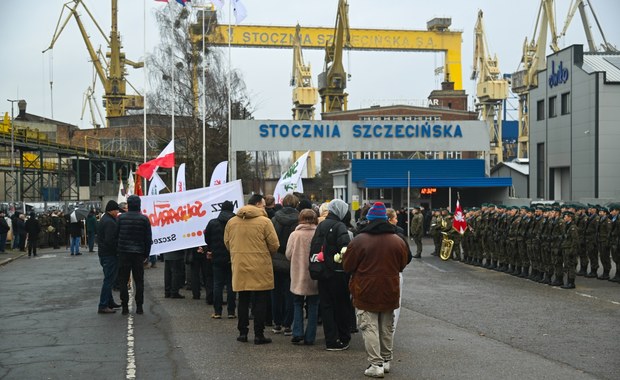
559, 77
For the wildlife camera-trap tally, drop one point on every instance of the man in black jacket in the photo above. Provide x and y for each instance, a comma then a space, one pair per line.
107, 240
220, 259
134, 246
32, 228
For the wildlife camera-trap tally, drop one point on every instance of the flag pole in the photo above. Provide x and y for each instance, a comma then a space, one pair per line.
172, 98
204, 107
145, 79
230, 174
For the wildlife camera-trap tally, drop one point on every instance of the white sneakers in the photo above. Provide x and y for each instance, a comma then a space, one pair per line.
374, 371
386, 367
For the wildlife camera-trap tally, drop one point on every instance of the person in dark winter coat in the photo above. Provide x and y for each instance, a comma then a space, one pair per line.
75, 229
335, 302
374, 258
32, 228
134, 246
284, 221
4, 230
91, 230
220, 260
107, 242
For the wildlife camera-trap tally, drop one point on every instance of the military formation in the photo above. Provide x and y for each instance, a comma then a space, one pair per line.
549, 244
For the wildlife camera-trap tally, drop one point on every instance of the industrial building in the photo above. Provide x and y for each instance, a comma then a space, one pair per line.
574, 134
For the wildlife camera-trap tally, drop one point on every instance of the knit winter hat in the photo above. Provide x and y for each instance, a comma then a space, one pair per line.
377, 211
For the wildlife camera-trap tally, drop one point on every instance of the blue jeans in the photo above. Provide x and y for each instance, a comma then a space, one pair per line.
222, 276
109, 265
282, 300
298, 320
75, 244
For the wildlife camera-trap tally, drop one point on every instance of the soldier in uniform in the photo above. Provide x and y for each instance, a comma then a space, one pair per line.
435, 231
524, 243
535, 231
512, 247
556, 235
581, 219
417, 230
570, 243
453, 235
614, 238
501, 232
545, 250
604, 229
591, 243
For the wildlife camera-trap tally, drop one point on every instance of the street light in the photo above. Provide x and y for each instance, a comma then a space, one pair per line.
19, 103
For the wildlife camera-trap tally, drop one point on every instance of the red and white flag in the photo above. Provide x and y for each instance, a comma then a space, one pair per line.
164, 160
459, 223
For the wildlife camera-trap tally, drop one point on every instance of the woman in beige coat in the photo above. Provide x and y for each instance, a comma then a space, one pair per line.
304, 288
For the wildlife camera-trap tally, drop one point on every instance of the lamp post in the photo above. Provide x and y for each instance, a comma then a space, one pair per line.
15, 191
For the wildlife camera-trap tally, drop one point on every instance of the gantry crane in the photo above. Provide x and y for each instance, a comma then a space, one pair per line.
111, 73
533, 60
581, 5
491, 90
304, 95
333, 79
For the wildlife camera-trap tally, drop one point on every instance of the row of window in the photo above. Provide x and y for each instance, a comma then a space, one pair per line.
387, 155
552, 106
407, 118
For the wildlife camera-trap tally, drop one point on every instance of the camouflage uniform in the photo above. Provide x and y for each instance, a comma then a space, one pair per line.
556, 235
513, 244
591, 246
417, 230
435, 232
523, 239
570, 243
614, 240
604, 229
582, 222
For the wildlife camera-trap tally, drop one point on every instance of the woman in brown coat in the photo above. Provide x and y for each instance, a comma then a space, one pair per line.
304, 288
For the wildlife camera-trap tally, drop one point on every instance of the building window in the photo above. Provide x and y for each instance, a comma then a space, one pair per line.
376, 155
387, 155
552, 107
565, 106
540, 110
407, 118
367, 155
540, 170
454, 155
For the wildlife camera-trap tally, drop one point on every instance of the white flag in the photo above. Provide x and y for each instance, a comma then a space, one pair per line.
157, 184
239, 11
122, 197
131, 184
289, 182
219, 4
181, 179
219, 174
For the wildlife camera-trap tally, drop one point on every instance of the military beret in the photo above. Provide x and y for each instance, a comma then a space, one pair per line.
490, 205
570, 213
484, 205
556, 208
603, 208
614, 206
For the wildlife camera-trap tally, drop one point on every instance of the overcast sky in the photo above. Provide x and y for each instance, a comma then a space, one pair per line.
376, 77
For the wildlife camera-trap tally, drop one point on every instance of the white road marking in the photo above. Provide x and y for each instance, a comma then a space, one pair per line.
45, 256
434, 267
131, 356
596, 298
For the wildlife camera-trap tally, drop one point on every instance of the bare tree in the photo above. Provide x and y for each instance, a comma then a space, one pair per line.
176, 78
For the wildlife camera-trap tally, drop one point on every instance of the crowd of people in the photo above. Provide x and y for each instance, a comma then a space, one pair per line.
549, 244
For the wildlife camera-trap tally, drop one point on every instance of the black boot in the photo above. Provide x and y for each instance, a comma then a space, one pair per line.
616, 278
604, 276
539, 276
559, 281
546, 279
516, 270
525, 272
533, 276
592, 273
139, 309
570, 284
582, 271
493, 265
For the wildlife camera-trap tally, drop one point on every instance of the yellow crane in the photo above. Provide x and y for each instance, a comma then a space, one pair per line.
435, 39
111, 73
304, 95
533, 60
491, 90
333, 79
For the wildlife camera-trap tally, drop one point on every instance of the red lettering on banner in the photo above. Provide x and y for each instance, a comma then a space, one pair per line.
181, 214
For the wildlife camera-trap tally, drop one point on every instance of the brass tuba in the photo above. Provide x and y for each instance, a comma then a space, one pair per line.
446, 247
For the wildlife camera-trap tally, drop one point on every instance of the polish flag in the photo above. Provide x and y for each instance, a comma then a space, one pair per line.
459, 223
164, 160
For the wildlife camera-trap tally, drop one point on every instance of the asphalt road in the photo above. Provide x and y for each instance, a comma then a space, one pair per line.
457, 322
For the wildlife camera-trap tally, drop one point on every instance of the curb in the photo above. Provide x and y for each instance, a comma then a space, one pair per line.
8, 260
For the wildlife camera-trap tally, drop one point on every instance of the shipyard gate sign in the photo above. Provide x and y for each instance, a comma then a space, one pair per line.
357, 136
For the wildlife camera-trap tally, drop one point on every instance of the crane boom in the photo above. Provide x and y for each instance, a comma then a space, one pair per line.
491, 90
112, 74
333, 79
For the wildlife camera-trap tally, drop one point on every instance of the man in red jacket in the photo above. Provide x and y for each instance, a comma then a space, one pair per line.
375, 257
